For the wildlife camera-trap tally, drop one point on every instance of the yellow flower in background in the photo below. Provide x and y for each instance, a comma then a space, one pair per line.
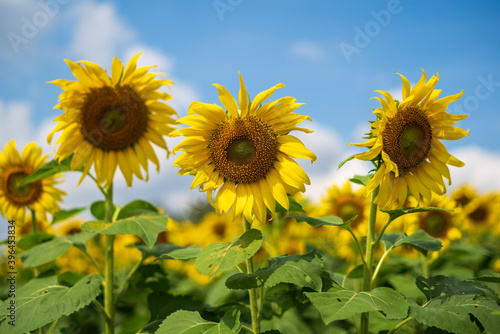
218, 228
41, 196
244, 152
111, 121
407, 136
464, 194
27, 227
437, 223
482, 214
346, 203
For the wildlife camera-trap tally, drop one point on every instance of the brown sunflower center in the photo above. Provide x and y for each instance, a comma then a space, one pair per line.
113, 118
436, 223
348, 208
243, 149
219, 229
407, 138
20, 194
479, 215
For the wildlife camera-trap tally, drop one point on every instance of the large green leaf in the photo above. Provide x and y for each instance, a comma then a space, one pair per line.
453, 314
217, 257
65, 214
443, 286
31, 240
170, 251
419, 240
343, 304
43, 300
361, 179
52, 249
189, 322
50, 168
146, 226
305, 269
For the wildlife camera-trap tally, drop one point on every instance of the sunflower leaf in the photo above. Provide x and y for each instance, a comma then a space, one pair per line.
304, 269
467, 314
217, 257
98, 209
419, 240
294, 206
361, 179
183, 253
346, 160
329, 220
43, 300
443, 287
146, 226
136, 208
492, 278
65, 214
343, 304
393, 214
52, 249
50, 168
184, 322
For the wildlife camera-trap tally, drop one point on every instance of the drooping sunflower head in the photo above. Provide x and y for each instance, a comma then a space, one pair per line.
244, 152
405, 144
40, 196
111, 121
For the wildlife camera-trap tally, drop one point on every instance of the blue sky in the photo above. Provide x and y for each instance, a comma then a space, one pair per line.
331, 55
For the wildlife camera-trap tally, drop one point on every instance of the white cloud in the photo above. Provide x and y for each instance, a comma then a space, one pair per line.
16, 124
307, 50
98, 32
480, 170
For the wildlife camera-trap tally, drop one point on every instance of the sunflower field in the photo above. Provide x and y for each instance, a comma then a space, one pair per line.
385, 252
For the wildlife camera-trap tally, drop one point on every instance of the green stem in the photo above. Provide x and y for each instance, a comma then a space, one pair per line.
367, 272
35, 230
401, 324
425, 265
357, 244
93, 260
109, 307
98, 185
381, 234
249, 330
54, 323
379, 265
130, 274
252, 292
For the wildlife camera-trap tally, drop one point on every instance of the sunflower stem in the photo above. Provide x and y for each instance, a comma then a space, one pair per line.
368, 263
252, 292
35, 230
124, 285
401, 324
109, 307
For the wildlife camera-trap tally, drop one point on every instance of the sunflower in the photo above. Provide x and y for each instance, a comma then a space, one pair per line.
464, 195
482, 214
110, 122
244, 152
405, 142
41, 196
437, 223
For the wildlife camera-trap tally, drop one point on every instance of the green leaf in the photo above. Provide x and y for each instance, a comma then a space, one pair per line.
443, 286
146, 226
217, 257
293, 207
135, 208
492, 278
419, 240
189, 322
453, 314
303, 269
98, 210
50, 168
183, 253
393, 214
50, 250
31, 240
361, 179
344, 304
330, 220
65, 214
43, 300
346, 160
